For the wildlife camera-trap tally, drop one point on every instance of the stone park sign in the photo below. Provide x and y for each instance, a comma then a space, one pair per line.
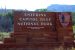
34, 21
38, 27
46, 30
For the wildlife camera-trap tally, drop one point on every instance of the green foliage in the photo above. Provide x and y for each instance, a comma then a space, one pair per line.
0, 14
6, 22
4, 35
10, 15
73, 18
41, 10
74, 29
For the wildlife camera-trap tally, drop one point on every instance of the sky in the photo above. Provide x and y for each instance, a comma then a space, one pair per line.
32, 4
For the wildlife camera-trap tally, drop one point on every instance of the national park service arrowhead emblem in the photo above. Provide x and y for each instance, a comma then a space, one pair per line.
64, 18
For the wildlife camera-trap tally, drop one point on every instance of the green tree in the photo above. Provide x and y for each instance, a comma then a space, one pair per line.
73, 18
41, 10
10, 15
8, 25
